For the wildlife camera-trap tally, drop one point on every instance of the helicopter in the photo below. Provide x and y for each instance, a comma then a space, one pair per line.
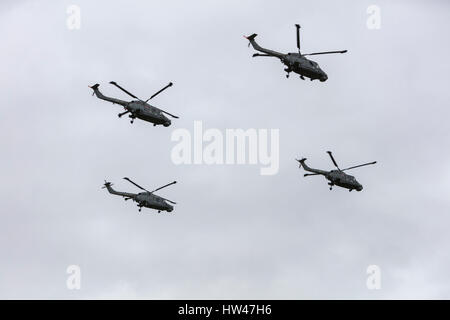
295, 62
336, 177
138, 108
144, 199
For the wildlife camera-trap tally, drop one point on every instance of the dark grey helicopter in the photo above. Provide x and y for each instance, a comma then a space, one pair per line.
336, 177
138, 108
144, 199
295, 62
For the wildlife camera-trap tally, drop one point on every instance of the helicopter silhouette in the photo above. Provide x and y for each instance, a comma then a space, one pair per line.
295, 62
138, 108
336, 177
144, 199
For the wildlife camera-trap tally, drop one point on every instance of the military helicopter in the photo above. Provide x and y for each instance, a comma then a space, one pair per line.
138, 108
336, 177
144, 199
295, 62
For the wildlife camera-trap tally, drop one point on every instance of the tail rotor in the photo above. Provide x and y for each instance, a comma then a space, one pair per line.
250, 38
106, 184
94, 87
300, 162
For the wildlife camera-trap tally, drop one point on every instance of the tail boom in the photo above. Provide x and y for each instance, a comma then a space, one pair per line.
307, 168
257, 47
118, 193
103, 97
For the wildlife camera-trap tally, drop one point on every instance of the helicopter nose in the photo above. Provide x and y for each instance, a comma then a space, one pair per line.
167, 123
323, 78
360, 187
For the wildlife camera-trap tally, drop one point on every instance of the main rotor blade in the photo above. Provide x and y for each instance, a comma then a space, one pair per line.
169, 85
129, 180
361, 165
169, 184
332, 159
129, 93
169, 114
311, 174
298, 37
263, 55
325, 52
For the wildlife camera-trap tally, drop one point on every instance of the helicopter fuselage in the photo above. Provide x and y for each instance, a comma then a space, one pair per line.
297, 63
136, 109
152, 201
144, 199
147, 112
294, 61
336, 177
343, 180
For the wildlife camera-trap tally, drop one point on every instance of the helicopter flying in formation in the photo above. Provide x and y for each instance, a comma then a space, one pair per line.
138, 108
295, 62
144, 199
336, 177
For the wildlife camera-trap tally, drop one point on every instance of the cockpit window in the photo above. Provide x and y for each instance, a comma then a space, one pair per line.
314, 64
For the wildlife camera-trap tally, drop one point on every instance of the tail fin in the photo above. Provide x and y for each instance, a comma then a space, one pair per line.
107, 185
301, 162
251, 37
95, 86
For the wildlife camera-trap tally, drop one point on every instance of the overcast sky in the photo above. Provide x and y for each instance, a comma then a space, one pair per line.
233, 233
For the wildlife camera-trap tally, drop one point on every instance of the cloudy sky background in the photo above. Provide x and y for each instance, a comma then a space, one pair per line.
234, 233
